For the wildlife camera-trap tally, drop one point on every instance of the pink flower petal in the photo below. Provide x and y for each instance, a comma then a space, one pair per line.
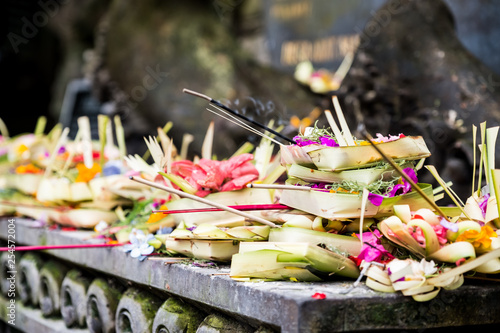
238, 183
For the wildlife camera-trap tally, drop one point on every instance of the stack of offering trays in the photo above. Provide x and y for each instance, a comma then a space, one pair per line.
337, 174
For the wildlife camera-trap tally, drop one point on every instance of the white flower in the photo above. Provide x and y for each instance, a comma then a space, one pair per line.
139, 247
424, 268
102, 225
396, 265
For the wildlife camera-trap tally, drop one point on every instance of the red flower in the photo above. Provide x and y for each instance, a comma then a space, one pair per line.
356, 260
217, 176
319, 296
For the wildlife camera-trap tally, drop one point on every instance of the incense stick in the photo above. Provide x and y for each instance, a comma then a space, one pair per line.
414, 186
58, 247
202, 200
281, 187
240, 123
212, 101
237, 207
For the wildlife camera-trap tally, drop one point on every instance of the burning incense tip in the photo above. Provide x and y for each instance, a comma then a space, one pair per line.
194, 93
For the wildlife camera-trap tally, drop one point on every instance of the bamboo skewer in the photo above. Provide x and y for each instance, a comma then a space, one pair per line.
414, 186
212, 101
202, 200
237, 207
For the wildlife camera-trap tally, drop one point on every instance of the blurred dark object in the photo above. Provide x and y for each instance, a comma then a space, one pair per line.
29, 57
79, 101
477, 28
414, 76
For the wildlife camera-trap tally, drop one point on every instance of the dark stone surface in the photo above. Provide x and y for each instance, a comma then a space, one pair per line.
285, 306
413, 75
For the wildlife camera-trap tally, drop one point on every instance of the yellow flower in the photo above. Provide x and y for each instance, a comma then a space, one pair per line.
480, 240
22, 148
85, 174
155, 217
367, 143
28, 168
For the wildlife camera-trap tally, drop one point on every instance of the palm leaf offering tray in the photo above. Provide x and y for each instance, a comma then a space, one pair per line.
326, 206
360, 155
207, 249
345, 205
210, 242
289, 261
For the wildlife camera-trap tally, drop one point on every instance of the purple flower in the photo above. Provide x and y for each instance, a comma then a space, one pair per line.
484, 204
405, 187
165, 231
448, 225
302, 142
375, 199
397, 190
321, 187
61, 150
112, 168
372, 249
328, 141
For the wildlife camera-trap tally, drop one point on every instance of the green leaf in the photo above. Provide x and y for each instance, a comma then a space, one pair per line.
179, 181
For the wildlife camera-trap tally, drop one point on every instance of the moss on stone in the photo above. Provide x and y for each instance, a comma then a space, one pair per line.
149, 303
43, 239
111, 293
33, 258
54, 269
189, 314
225, 324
